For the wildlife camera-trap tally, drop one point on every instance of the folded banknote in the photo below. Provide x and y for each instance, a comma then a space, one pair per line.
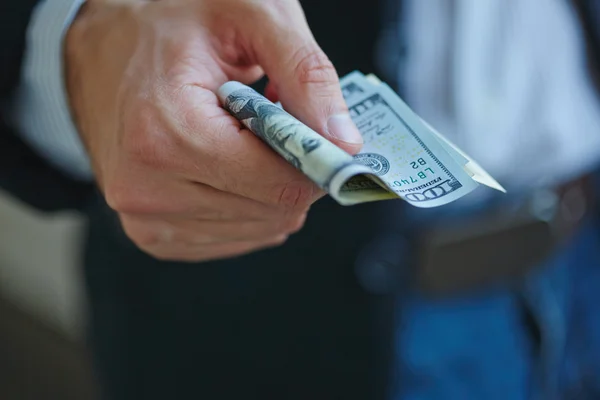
403, 157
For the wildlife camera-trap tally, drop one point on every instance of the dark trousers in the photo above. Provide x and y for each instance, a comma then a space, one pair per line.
287, 323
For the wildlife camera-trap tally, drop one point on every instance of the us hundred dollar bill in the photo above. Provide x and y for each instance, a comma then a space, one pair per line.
402, 156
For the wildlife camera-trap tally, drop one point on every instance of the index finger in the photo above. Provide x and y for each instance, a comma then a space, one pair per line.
234, 160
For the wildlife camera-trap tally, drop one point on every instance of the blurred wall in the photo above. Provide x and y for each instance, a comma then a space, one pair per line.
39, 269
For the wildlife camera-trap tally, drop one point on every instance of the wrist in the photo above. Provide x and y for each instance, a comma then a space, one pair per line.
97, 47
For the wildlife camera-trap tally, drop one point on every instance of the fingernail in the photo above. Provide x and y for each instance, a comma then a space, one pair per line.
341, 127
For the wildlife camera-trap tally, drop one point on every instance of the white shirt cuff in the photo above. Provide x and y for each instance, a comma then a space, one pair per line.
40, 110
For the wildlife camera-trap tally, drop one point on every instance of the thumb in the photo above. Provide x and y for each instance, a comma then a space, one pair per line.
307, 84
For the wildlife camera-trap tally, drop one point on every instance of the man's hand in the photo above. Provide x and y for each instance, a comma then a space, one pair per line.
187, 181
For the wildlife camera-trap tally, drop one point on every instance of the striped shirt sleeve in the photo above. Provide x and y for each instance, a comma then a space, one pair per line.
40, 109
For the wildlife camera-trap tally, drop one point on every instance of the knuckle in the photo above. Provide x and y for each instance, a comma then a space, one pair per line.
120, 198
277, 241
140, 234
272, 13
296, 224
291, 224
131, 195
314, 67
295, 195
125, 198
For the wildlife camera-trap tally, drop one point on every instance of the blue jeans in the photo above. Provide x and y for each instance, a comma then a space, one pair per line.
538, 340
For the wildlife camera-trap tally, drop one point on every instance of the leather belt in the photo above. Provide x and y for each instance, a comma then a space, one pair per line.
504, 243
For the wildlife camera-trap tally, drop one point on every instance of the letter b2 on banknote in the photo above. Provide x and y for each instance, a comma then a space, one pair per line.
402, 157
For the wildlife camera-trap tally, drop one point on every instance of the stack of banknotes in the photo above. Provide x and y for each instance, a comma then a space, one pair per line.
402, 157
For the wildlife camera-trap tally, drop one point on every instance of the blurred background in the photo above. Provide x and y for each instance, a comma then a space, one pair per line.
461, 249
42, 307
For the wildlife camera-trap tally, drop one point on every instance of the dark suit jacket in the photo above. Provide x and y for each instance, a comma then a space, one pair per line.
23, 172
288, 323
